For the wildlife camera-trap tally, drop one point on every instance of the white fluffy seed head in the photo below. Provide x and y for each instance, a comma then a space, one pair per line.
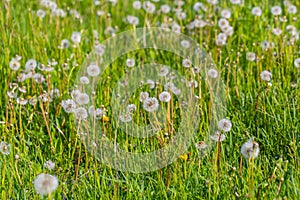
266, 75
45, 184
297, 63
150, 104
82, 99
212, 73
256, 11
250, 56
14, 65
276, 10
143, 96
93, 70
250, 149
76, 37
164, 96
49, 165
218, 137
225, 125
130, 62
84, 80
69, 105
30, 65
4, 148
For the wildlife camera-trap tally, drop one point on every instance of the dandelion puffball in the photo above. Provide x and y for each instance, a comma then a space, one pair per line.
93, 70
266, 75
45, 184
150, 104
4, 148
250, 149
225, 125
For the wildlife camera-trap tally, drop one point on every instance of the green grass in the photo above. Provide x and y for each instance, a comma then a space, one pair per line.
45, 131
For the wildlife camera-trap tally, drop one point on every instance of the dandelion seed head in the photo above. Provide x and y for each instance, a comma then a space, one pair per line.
5, 148
225, 125
14, 64
45, 184
164, 96
130, 62
250, 149
266, 75
150, 104
212, 73
93, 70
49, 165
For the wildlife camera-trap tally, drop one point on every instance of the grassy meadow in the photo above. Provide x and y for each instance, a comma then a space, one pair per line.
255, 47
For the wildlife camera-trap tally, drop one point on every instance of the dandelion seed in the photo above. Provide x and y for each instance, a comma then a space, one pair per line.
250, 149
93, 70
45, 184
82, 99
130, 62
144, 96
276, 10
266, 75
181, 15
5, 148
76, 37
69, 105
212, 73
150, 104
250, 56
14, 65
164, 96
256, 11
218, 137
49, 165
225, 125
